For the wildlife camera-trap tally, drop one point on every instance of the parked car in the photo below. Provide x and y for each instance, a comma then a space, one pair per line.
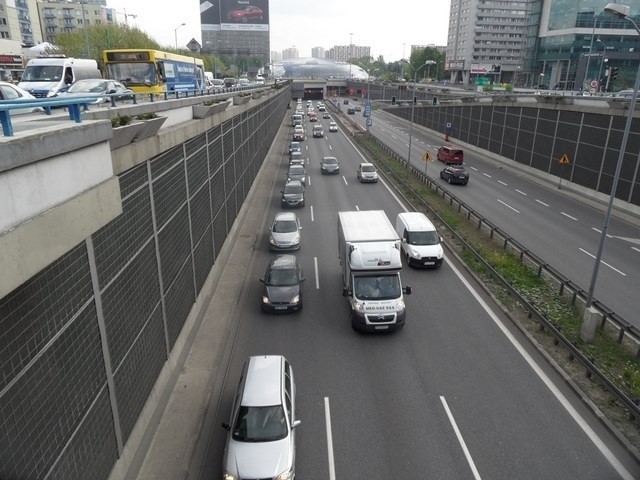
250, 12
367, 172
284, 233
333, 127
297, 172
9, 91
329, 165
293, 194
261, 439
282, 290
450, 154
455, 173
99, 86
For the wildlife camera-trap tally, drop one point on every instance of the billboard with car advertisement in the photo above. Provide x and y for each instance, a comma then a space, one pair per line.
252, 15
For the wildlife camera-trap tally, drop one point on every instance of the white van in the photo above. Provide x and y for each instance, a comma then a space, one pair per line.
48, 76
421, 244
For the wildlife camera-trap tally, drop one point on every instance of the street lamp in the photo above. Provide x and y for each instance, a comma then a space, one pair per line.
539, 82
593, 34
413, 106
429, 63
175, 32
604, 51
620, 11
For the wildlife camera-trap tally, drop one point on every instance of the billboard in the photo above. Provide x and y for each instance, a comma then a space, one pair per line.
238, 15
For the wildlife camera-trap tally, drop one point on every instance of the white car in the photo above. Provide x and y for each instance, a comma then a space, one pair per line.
284, 233
333, 127
9, 91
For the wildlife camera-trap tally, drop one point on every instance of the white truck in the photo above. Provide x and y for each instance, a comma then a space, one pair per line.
369, 252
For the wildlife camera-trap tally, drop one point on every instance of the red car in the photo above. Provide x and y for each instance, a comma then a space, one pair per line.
243, 15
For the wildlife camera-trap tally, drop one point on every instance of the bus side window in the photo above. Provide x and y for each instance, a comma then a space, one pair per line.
161, 74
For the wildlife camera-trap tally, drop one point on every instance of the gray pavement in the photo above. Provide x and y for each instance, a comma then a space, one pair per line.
174, 444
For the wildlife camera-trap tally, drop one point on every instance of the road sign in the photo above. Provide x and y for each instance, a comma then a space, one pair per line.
367, 109
193, 45
426, 157
594, 83
564, 160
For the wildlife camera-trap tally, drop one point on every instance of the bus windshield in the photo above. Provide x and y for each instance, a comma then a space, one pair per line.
130, 74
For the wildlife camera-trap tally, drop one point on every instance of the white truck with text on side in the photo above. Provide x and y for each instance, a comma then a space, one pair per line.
369, 253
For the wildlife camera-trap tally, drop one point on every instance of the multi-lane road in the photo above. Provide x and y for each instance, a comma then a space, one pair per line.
562, 229
457, 394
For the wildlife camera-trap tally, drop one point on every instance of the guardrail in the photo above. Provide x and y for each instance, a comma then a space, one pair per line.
624, 328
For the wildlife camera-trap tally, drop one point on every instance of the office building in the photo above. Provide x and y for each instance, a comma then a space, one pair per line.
290, 53
317, 52
344, 53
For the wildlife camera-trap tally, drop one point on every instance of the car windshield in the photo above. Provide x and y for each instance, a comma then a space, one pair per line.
41, 73
284, 226
97, 86
329, 161
288, 189
423, 238
260, 424
296, 170
368, 168
385, 287
282, 277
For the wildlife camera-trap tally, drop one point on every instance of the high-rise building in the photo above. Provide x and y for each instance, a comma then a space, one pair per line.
276, 56
419, 48
289, 53
317, 52
493, 40
67, 16
237, 33
344, 53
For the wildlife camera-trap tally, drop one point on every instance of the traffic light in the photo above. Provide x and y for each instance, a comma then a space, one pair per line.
613, 73
393, 100
415, 100
435, 100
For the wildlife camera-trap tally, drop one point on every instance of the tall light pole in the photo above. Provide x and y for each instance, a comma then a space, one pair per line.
175, 32
413, 104
604, 51
586, 70
350, 52
620, 11
429, 63
86, 31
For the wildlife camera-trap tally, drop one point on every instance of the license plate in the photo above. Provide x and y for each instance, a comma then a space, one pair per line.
281, 308
429, 263
381, 327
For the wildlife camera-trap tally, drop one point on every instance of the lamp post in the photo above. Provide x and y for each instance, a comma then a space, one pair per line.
413, 107
621, 11
350, 52
601, 64
429, 63
586, 70
175, 32
86, 31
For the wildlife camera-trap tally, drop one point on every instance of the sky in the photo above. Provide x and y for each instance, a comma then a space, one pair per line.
389, 27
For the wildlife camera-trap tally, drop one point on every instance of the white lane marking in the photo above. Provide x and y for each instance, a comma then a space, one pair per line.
569, 216
507, 205
452, 420
308, 181
600, 232
357, 208
487, 175
327, 421
591, 435
636, 249
406, 145
330, 147
521, 192
345, 180
503, 183
312, 213
315, 264
604, 263
394, 137
542, 203
474, 169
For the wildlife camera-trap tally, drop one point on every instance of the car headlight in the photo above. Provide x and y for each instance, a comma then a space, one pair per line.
272, 241
358, 307
265, 299
400, 306
228, 476
288, 475
295, 299
415, 254
296, 240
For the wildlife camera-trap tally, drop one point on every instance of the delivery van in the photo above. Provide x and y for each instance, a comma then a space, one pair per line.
421, 244
48, 76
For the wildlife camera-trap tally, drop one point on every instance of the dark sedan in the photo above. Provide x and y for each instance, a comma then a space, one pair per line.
329, 165
455, 174
282, 290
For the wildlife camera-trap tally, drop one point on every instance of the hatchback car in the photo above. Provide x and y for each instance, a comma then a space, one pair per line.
9, 91
367, 173
261, 439
297, 172
298, 133
296, 158
455, 174
318, 131
294, 147
326, 115
99, 86
292, 194
333, 127
284, 233
351, 110
313, 117
450, 154
282, 280
329, 165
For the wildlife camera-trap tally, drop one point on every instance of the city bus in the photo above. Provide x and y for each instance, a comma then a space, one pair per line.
153, 71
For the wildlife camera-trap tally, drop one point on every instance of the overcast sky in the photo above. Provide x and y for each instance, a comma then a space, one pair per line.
389, 27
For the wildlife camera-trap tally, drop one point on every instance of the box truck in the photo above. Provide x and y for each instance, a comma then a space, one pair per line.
369, 253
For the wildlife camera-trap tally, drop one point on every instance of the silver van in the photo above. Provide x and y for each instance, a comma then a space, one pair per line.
421, 244
261, 440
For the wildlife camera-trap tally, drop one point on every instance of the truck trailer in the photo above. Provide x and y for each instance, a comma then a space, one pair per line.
369, 253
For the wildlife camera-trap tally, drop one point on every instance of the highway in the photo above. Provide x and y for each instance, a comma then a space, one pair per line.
457, 394
561, 228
